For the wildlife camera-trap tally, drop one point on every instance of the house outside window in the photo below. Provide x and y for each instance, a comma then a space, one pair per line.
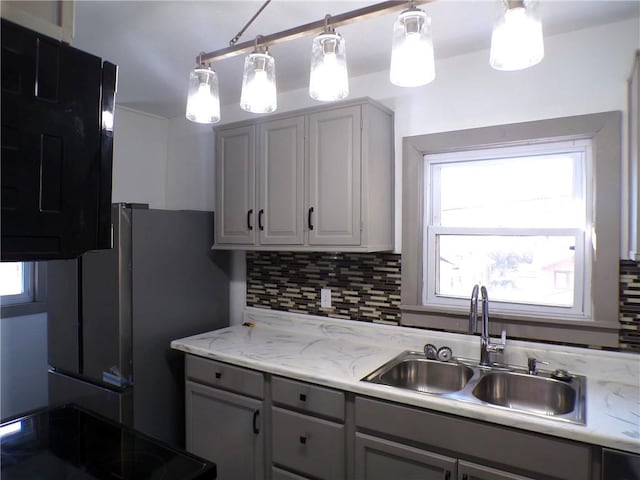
530, 210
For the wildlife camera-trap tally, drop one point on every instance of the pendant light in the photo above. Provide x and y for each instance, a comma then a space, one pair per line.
203, 100
412, 59
259, 81
328, 79
516, 42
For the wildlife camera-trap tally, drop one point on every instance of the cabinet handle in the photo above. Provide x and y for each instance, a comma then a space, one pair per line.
218, 375
303, 397
465, 477
309, 224
256, 429
303, 440
260, 214
446, 475
249, 213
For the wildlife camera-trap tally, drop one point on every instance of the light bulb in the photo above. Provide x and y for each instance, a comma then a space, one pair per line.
328, 79
259, 84
412, 58
517, 42
203, 101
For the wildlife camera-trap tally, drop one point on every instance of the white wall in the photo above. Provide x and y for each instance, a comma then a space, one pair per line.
23, 368
140, 158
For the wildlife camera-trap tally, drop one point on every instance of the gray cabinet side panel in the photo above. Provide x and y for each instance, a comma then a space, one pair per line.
179, 289
379, 459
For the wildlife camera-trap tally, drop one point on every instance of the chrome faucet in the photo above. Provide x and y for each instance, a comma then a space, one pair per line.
487, 347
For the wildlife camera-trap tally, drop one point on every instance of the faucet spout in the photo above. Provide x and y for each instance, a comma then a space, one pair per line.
487, 347
473, 310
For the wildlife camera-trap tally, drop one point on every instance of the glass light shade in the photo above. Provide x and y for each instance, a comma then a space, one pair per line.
412, 60
259, 84
203, 100
516, 42
328, 80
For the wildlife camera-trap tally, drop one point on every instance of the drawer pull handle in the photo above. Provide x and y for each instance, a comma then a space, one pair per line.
303, 440
218, 375
256, 428
260, 215
303, 397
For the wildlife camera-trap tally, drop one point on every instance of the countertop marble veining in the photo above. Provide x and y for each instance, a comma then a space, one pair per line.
339, 353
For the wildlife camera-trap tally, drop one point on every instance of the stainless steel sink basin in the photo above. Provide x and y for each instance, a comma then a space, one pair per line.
415, 372
504, 387
531, 393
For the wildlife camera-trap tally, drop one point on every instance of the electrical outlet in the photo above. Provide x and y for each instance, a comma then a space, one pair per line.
325, 298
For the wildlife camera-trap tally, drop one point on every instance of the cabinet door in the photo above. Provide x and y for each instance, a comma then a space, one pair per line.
333, 177
225, 428
472, 471
379, 459
235, 216
280, 182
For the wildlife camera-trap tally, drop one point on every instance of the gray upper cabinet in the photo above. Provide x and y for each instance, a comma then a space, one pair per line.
324, 180
280, 181
235, 192
334, 161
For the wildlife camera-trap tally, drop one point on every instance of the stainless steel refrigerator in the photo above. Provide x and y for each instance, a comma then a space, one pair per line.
112, 314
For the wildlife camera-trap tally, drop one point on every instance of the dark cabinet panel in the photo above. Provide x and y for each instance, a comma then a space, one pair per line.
57, 119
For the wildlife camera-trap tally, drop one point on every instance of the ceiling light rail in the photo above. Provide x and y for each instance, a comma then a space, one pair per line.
365, 13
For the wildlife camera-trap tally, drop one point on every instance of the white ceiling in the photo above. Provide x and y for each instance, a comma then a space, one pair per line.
155, 43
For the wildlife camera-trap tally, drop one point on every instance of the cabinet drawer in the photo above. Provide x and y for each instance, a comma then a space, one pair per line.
501, 446
279, 474
222, 375
312, 446
308, 398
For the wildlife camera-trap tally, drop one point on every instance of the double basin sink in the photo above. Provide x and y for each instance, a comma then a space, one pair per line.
503, 387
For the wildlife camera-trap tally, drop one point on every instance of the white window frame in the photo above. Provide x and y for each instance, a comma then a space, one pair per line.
33, 299
28, 287
581, 308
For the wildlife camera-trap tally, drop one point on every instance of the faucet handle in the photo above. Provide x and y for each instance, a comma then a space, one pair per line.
498, 347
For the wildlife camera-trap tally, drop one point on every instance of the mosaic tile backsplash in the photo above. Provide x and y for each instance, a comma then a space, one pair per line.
366, 286
630, 306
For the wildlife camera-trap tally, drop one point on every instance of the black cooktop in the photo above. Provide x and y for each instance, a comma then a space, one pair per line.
69, 443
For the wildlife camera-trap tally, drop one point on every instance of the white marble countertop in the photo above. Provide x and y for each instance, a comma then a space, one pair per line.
338, 353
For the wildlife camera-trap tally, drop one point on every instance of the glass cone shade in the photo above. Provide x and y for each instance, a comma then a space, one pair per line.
259, 84
412, 60
203, 100
516, 42
328, 80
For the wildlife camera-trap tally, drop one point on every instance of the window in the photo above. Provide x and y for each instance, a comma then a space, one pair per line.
22, 288
16, 282
549, 255
498, 218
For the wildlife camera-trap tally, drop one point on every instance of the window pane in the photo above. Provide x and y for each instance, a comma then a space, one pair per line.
11, 278
536, 270
531, 191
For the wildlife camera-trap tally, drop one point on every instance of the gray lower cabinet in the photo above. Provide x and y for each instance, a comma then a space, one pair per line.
308, 434
380, 459
472, 471
225, 417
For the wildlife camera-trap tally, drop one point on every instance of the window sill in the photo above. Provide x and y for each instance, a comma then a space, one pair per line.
577, 332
